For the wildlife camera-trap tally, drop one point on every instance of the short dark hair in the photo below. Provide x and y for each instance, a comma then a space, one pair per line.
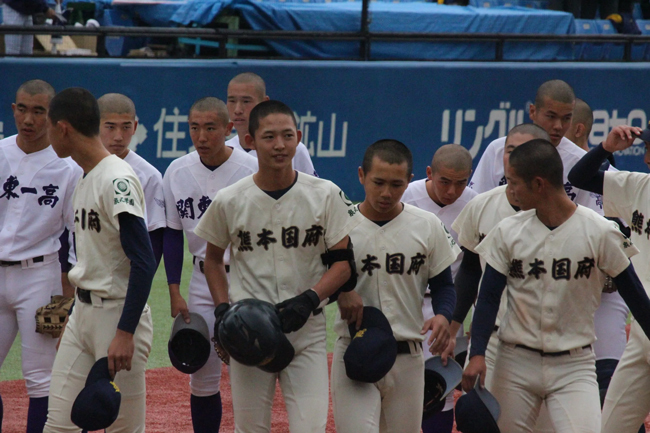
37, 87
266, 108
538, 158
390, 151
78, 107
212, 104
529, 129
555, 90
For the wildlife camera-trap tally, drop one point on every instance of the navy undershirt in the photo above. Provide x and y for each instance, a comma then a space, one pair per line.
588, 173
280, 192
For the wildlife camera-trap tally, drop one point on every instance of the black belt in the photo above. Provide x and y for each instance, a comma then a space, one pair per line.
542, 353
84, 296
405, 346
5, 263
202, 263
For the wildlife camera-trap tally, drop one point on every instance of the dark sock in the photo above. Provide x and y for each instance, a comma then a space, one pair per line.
206, 413
36, 415
441, 422
1, 413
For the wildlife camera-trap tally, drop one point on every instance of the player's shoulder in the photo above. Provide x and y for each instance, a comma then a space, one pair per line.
8, 141
418, 215
301, 148
237, 190
316, 182
138, 161
415, 191
467, 196
625, 178
569, 151
182, 162
243, 159
495, 144
487, 197
592, 218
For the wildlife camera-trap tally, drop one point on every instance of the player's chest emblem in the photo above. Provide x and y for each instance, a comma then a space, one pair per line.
394, 264
289, 238
11, 190
185, 207
561, 269
87, 220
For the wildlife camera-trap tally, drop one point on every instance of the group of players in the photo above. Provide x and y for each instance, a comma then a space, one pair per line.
257, 220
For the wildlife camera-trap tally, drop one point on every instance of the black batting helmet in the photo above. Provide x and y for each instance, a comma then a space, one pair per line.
251, 333
189, 343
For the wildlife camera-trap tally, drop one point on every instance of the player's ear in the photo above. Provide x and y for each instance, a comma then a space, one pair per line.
299, 135
429, 172
13, 107
411, 178
361, 175
266, 98
135, 125
250, 141
229, 128
580, 130
532, 112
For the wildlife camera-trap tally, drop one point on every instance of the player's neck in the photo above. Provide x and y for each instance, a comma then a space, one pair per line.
217, 158
32, 146
555, 210
242, 140
582, 144
370, 213
123, 154
274, 180
432, 194
89, 152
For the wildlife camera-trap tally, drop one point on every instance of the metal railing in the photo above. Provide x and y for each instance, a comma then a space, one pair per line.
364, 37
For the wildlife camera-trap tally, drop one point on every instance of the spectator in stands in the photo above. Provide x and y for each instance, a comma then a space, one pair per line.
19, 13
572, 6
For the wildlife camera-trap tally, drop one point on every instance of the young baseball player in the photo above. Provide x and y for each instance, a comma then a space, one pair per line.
113, 274
548, 258
400, 251
444, 194
625, 196
190, 184
278, 223
118, 124
581, 123
35, 211
245, 91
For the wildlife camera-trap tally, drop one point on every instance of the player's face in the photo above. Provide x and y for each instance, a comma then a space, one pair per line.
116, 132
208, 134
520, 193
512, 142
242, 98
384, 185
554, 117
276, 140
30, 114
55, 137
447, 184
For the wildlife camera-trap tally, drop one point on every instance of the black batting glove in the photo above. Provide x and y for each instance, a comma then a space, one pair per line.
294, 312
218, 315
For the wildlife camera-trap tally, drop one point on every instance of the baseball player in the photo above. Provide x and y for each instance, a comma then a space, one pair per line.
190, 184
245, 91
547, 258
35, 211
278, 223
400, 251
552, 110
113, 274
444, 194
625, 196
118, 124
581, 123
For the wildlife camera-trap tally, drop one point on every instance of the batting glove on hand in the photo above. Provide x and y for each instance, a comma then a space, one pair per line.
295, 312
218, 315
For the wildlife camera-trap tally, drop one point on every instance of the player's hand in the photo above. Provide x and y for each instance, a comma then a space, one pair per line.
621, 137
294, 312
439, 327
351, 307
449, 350
120, 352
475, 368
180, 306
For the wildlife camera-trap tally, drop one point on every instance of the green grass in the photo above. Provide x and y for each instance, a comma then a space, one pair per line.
162, 322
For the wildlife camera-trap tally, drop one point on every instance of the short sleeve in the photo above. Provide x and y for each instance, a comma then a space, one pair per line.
155, 199
125, 194
171, 213
589, 200
342, 216
213, 226
494, 250
443, 249
615, 251
620, 191
466, 227
484, 173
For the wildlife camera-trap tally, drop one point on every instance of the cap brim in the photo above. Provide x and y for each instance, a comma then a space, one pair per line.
645, 135
283, 357
452, 372
372, 318
197, 323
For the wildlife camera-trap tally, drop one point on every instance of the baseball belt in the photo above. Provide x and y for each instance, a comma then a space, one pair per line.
404, 347
202, 264
4, 263
553, 354
84, 296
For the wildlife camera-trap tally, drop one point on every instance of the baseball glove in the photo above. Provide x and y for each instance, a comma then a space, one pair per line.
50, 318
223, 355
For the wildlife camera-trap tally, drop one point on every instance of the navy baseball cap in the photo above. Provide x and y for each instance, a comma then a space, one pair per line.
645, 134
189, 343
477, 411
373, 349
98, 404
439, 381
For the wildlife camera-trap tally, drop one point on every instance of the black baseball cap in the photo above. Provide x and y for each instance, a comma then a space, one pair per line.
98, 404
373, 349
439, 381
477, 411
189, 343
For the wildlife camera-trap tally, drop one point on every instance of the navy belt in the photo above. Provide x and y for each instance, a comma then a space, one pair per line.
5, 263
202, 263
84, 296
405, 346
542, 353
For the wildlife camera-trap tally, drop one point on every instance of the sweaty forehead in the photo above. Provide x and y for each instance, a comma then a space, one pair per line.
561, 108
244, 90
37, 100
117, 118
517, 139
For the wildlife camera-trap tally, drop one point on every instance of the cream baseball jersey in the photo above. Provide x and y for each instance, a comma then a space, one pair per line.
395, 262
489, 172
277, 244
416, 194
554, 281
152, 185
35, 201
110, 188
190, 187
301, 160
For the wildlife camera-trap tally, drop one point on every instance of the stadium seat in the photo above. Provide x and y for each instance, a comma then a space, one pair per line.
642, 51
533, 4
584, 50
610, 51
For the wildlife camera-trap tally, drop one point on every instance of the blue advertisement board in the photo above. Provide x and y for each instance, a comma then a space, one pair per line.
342, 107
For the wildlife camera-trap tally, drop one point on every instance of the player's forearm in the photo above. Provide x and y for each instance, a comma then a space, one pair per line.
67, 287
443, 294
586, 174
134, 238
331, 280
64, 250
454, 327
635, 296
173, 252
157, 242
215, 274
466, 284
487, 309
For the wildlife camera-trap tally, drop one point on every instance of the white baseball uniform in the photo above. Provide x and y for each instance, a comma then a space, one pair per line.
416, 194
625, 196
275, 255
35, 208
553, 290
110, 188
152, 185
301, 160
189, 189
394, 261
